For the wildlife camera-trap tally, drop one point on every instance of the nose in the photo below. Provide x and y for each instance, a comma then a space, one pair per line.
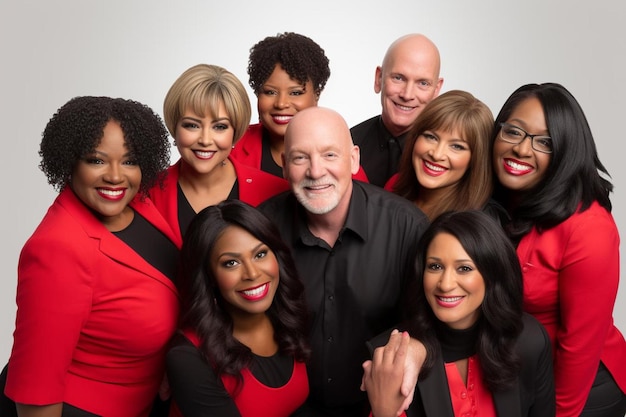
407, 91
251, 271
205, 138
281, 101
437, 151
446, 282
524, 148
113, 174
316, 169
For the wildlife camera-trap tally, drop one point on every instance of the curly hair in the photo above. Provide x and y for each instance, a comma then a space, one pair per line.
500, 322
575, 177
203, 88
76, 129
302, 58
202, 306
458, 110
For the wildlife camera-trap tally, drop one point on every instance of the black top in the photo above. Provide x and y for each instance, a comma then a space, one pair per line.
198, 390
267, 161
151, 245
380, 150
186, 213
352, 289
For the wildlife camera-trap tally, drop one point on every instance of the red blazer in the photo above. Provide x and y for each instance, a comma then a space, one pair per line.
248, 150
255, 186
93, 317
571, 274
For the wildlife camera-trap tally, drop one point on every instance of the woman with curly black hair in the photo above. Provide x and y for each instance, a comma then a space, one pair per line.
484, 355
244, 340
288, 72
96, 299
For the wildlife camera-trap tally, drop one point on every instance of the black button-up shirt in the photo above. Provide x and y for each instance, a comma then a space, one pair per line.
352, 289
380, 150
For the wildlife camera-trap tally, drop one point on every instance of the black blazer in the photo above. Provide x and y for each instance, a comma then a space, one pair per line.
532, 395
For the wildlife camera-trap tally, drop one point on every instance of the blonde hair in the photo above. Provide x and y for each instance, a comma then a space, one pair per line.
452, 110
203, 88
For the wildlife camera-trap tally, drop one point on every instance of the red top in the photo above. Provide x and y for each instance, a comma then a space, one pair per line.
571, 274
255, 186
471, 399
93, 316
253, 399
249, 148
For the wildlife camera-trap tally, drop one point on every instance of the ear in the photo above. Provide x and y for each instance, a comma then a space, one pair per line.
438, 86
355, 159
282, 159
378, 80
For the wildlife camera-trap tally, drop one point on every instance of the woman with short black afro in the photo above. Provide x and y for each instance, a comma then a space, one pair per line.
288, 72
76, 130
96, 299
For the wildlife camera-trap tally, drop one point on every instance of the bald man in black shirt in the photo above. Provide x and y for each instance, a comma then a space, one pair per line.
354, 245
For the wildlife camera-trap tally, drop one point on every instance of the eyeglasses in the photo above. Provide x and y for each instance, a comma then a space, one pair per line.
513, 134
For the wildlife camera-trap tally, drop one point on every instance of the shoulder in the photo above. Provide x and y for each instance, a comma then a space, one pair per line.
387, 203
364, 129
534, 339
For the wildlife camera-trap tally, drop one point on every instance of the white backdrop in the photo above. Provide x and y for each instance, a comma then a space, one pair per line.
51, 51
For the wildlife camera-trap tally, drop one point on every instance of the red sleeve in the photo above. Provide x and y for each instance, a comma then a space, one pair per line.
53, 302
588, 284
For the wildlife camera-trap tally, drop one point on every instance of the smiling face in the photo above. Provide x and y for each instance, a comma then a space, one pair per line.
440, 158
204, 142
454, 287
407, 81
107, 179
320, 160
246, 272
520, 167
280, 98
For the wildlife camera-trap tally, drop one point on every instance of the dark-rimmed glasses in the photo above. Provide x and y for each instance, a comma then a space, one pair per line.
513, 134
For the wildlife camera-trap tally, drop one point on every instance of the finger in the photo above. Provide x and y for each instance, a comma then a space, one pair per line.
403, 347
367, 373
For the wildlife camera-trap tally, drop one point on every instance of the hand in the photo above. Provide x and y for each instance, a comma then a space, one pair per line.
383, 376
412, 366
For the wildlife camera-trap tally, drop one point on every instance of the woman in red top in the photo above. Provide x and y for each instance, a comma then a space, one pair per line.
96, 301
556, 191
288, 73
206, 111
244, 320
485, 357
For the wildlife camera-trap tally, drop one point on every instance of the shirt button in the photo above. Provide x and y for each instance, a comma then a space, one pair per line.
471, 387
249, 180
330, 380
330, 339
464, 395
331, 297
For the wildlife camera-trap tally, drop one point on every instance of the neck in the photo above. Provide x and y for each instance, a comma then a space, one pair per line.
457, 344
221, 173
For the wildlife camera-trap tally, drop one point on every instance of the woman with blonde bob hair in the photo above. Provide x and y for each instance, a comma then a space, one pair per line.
446, 164
207, 110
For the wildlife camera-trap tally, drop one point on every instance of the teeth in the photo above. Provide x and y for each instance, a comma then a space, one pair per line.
283, 118
433, 167
112, 193
405, 108
450, 299
518, 167
204, 154
255, 292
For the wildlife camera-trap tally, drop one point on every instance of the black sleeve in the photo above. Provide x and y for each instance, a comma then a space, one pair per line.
196, 389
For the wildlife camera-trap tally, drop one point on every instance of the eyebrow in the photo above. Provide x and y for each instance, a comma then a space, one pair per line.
237, 254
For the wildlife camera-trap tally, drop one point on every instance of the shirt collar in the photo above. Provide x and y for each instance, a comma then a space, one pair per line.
356, 221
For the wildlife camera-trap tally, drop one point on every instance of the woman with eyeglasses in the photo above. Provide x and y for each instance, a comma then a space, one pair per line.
556, 191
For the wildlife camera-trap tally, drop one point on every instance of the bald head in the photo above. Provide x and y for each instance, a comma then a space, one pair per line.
417, 45
407, 81
314, 122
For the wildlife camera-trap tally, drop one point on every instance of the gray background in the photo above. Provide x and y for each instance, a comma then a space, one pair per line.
51, 51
